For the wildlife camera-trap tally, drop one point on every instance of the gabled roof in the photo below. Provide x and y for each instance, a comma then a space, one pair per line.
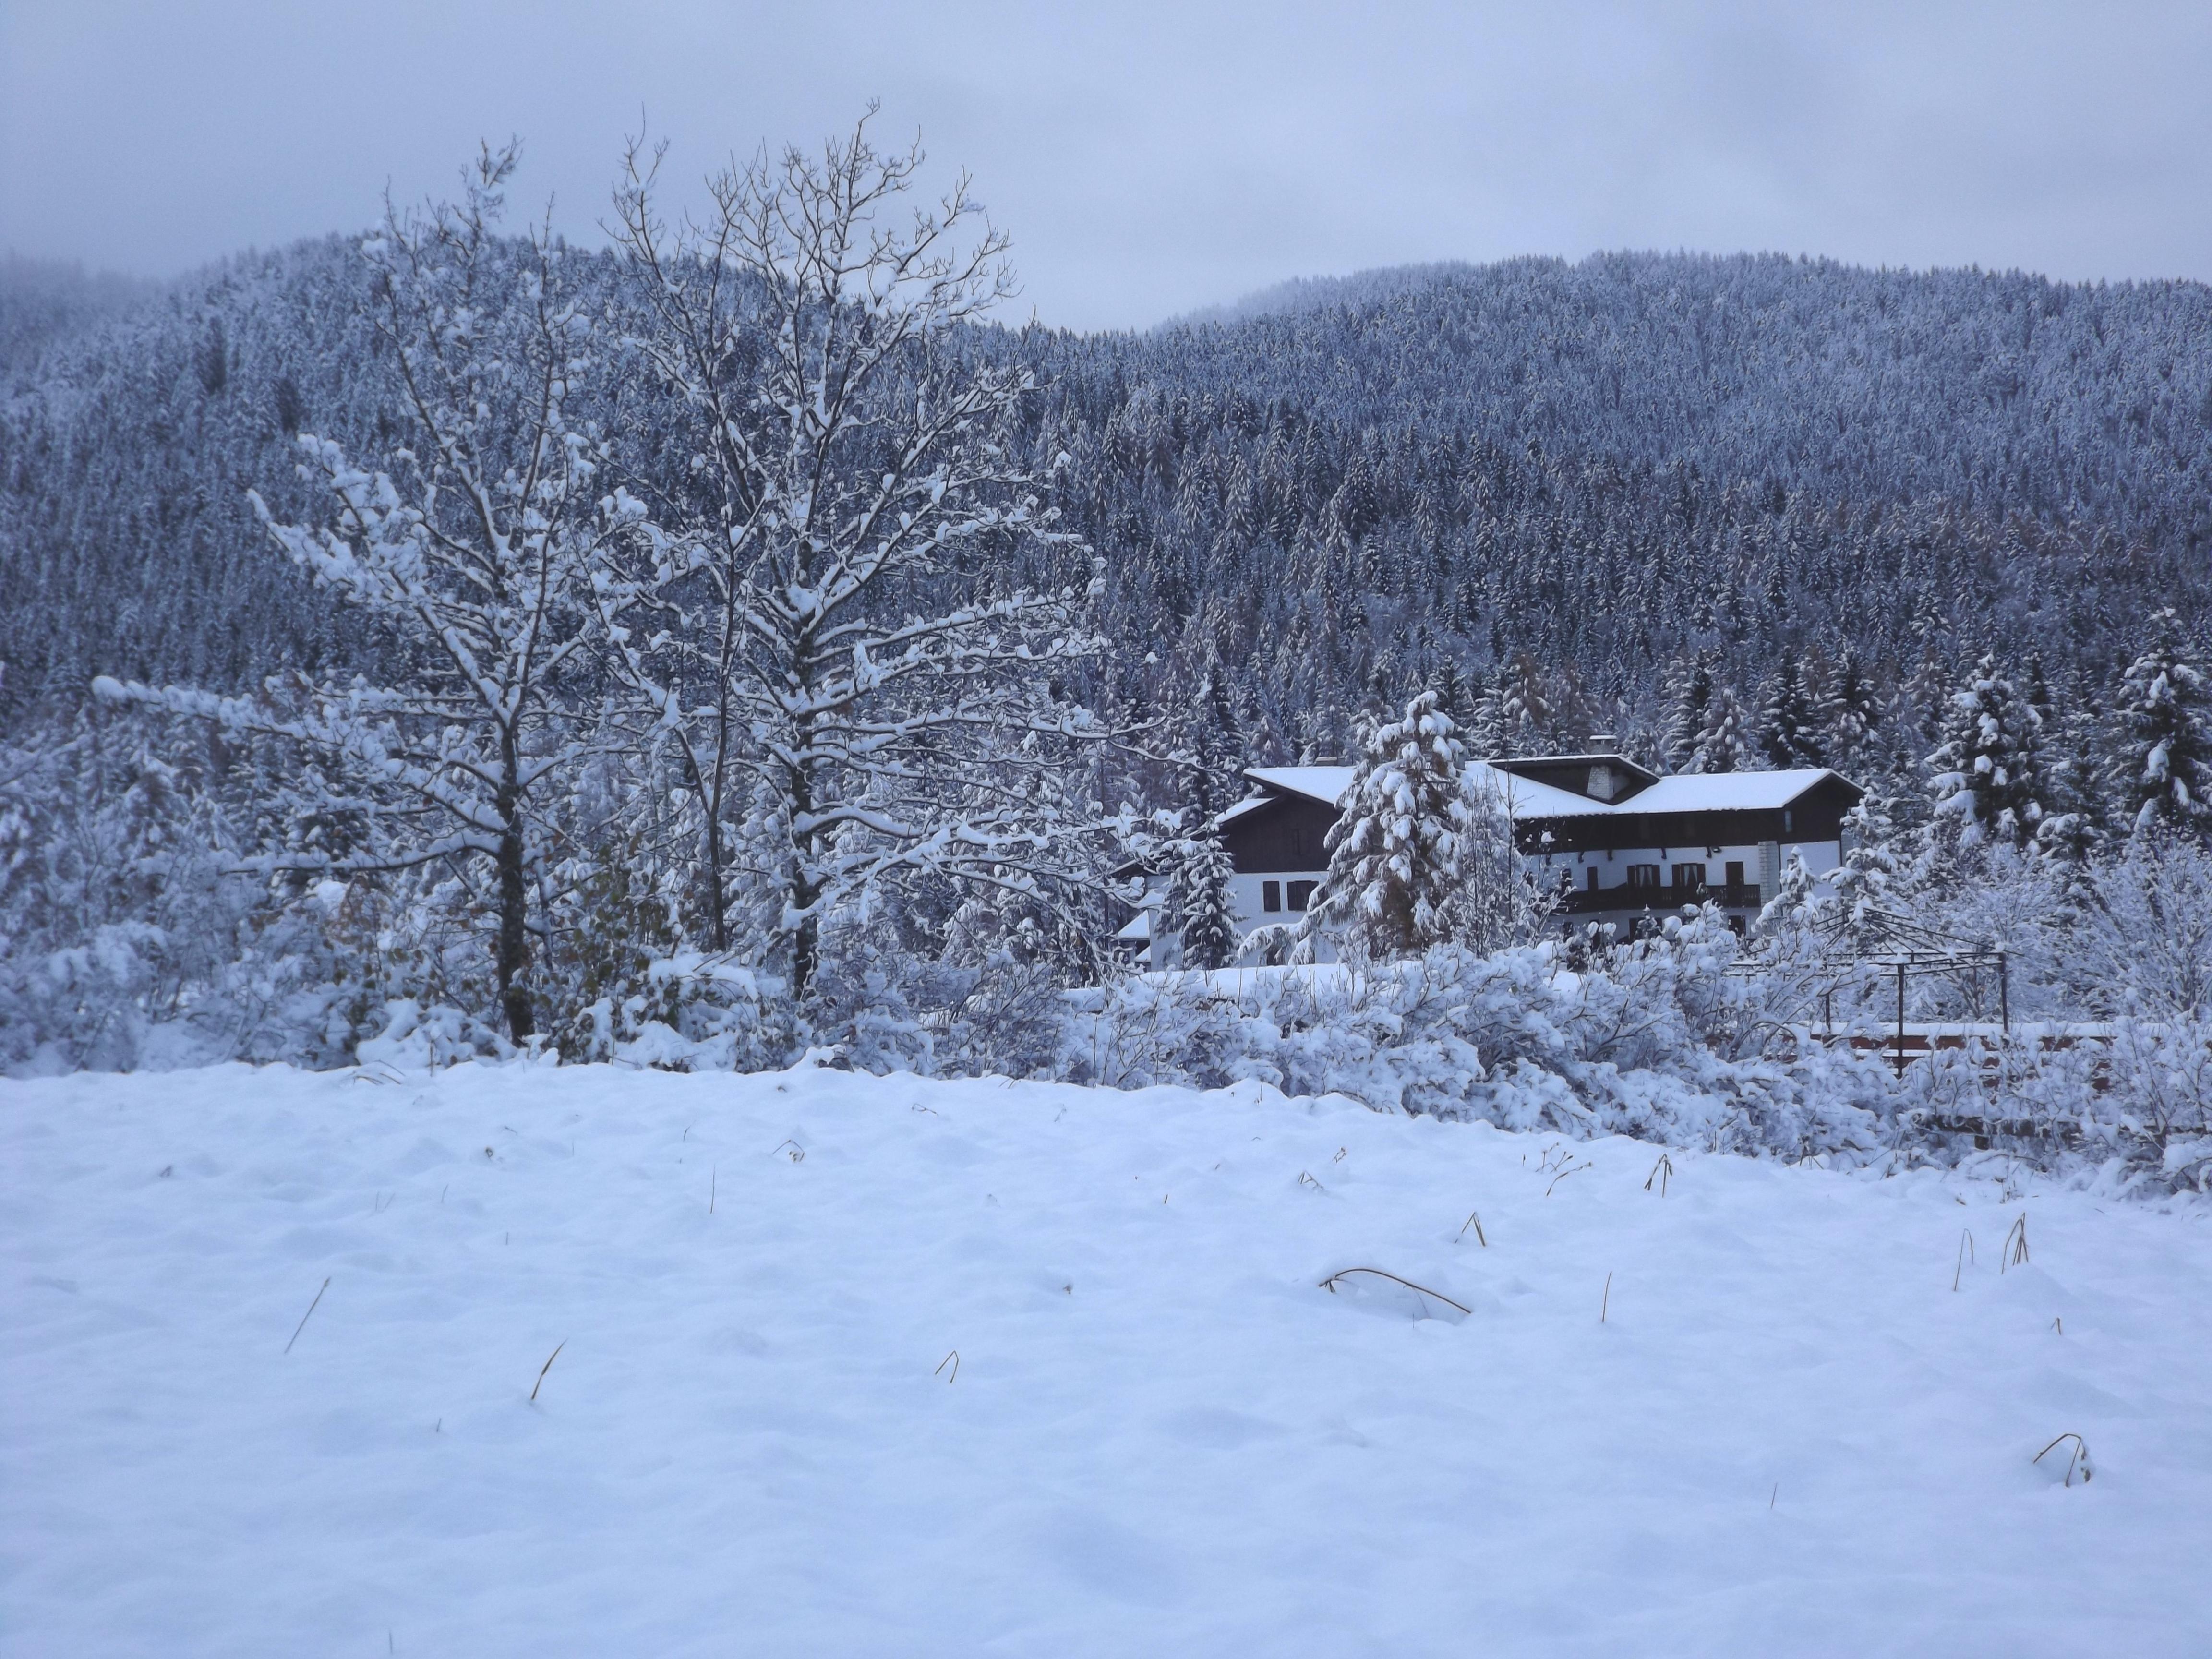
1527, 798
1731, 792
1325, 784
1242, 807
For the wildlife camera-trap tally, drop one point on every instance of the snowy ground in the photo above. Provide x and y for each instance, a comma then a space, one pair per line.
1788, 1436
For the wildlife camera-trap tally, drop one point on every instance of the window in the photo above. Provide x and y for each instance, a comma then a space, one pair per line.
1789, 827
1643, 875
1301, 893
1270, 896
1735, 872
1689, 878
1593, 881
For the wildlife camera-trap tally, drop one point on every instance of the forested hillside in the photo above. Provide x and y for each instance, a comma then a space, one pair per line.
1612, 466
1615, 468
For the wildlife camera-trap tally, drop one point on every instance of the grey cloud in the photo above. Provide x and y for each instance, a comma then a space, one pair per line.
1152, 158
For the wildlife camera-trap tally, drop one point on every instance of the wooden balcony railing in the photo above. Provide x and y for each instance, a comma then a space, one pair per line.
1581, 900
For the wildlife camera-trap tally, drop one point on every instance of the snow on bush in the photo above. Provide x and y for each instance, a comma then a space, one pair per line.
1661, 1042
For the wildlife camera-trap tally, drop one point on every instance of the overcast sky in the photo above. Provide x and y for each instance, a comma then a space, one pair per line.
1153, 158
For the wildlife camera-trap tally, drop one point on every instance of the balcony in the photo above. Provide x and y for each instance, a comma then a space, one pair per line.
1581, 901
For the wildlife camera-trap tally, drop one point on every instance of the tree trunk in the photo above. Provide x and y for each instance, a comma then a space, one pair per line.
710, 806
512, 947
806, 943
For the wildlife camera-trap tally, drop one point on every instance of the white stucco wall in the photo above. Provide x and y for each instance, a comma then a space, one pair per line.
1820, 857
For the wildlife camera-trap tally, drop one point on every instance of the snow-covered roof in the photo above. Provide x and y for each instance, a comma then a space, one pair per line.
1326, 784
1725, 792
1241, 808
1692, 791
1525, 797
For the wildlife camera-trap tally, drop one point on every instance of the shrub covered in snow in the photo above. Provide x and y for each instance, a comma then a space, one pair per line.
1655, 1039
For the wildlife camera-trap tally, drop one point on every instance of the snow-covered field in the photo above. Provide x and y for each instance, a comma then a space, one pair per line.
1789, 1435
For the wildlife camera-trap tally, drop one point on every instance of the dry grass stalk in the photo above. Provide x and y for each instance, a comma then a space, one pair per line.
1564, 1172
1966, 1248
1605, 1303
546, 1367
2014, 1253
2076, 1459
953, 1360
1329, 1284
1474, 1220
308, 1315
1661, 1172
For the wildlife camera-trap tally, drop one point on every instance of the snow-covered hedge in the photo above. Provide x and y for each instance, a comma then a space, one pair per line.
1659, 1042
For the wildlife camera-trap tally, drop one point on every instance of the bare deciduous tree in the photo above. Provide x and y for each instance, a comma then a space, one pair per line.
824, 638
470, 539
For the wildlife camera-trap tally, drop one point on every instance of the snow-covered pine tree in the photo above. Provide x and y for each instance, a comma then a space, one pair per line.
1199, 915
1689, 693
2076, 817
1483, 736
1987, 782
1727, 743
1453, 698
1211, 743
832, 630
470, 541
1789, 728
1868, 886
1393, 854
1853, 712
1197, 919
2162, 730
1520, 711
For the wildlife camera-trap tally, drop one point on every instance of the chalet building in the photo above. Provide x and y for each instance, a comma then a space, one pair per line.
1621, 843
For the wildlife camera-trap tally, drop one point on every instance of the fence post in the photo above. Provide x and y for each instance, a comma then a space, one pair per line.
1900, 1020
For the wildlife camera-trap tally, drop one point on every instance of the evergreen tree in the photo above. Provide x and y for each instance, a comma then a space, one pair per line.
1453, 699
1726, 744
1789, 730
1852, 712
2162, 767
1867, 885
1689, 702
1199, 915
1988, 782
1393, 880
1521, 708
2077, 823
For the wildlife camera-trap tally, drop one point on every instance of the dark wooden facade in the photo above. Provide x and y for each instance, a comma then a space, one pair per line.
1287, 833
1816, 815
